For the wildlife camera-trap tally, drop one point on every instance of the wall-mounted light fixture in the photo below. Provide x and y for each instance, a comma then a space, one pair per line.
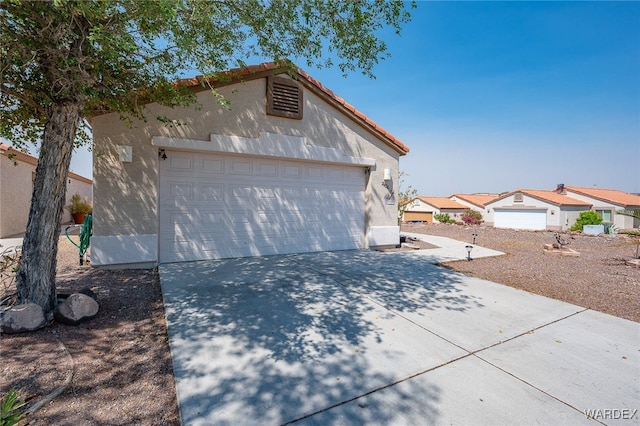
390, 197
162, 154
125, 153
386, 178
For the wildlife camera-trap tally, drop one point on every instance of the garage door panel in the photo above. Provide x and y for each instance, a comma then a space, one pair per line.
189, 217
291, 171
210, 192
213, 166
180, 162
179, 192
314, 172
265, 168
521, 219
334, 173
239, 166
216, 206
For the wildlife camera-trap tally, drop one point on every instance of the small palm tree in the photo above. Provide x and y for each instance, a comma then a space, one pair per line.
635, 213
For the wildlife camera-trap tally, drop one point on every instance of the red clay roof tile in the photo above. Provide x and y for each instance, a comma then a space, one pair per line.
613, 196
479, 200
442, 203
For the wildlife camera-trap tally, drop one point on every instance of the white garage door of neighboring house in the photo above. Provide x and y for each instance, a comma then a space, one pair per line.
520, 219
218, 206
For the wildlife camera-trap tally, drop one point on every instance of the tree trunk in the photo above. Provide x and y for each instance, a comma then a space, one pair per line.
37, 273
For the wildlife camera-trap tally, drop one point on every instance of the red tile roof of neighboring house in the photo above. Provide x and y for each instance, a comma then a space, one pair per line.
623, 199
549, 196
442, 203
16, 155
479, 200
259, 71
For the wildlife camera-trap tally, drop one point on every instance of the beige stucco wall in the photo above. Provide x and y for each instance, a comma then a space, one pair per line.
619, 221
16, 188
472, 206
558, 217
126, 194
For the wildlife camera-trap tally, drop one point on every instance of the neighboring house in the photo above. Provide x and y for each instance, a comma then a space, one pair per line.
606, 202
424, 209
17, 173
534, 210
475, 202
288, 167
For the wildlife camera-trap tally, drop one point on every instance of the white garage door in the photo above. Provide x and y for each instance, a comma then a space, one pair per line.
218, 206
521, 219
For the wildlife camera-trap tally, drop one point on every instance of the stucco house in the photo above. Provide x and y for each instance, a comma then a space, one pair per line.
606, 202
475, 202
17, 173
424, 209
534, 210
289, 167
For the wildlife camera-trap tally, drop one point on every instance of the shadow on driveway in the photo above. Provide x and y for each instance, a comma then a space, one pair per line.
274, 339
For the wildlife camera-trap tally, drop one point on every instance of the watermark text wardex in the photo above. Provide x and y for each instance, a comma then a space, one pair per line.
611, 414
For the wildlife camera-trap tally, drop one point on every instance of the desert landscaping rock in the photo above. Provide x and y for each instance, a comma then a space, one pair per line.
65, 295
76, 309
21, 318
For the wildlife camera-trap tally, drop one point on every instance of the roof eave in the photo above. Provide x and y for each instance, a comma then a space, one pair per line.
200, 83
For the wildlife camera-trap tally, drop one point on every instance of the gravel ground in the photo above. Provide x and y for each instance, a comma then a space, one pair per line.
121, 364
598, 279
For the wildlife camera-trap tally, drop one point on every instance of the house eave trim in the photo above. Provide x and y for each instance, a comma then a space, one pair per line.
266, 145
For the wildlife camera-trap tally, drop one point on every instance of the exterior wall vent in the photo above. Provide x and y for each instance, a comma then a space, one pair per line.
284, 98
518, 197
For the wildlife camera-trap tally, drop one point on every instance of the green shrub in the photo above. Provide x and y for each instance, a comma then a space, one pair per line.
443, 218
79, 204
586, 218
471, 217
9, 409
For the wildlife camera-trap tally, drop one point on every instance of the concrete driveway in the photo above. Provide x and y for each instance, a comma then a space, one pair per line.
362, 337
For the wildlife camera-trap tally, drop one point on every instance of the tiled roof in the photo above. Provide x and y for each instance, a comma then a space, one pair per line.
549, 196
479, 200
442, 203
259, 71
7, 150
555, 198
623, 199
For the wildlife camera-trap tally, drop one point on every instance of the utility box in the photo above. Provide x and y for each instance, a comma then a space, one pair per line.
593, 229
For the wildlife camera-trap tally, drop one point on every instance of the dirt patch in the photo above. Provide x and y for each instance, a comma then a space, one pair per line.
121, 364
598, 279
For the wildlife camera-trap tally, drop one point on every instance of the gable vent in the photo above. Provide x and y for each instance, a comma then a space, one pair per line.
284, 98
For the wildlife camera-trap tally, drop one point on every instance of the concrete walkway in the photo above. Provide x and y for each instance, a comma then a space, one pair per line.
449, 249
362, 337
10, 244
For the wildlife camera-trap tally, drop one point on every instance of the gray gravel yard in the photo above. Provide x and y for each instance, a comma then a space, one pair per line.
598, 279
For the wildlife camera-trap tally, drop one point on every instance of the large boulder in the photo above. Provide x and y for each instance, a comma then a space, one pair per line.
76, 309
21, 318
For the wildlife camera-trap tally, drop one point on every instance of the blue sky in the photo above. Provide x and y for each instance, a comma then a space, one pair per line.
495, 96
